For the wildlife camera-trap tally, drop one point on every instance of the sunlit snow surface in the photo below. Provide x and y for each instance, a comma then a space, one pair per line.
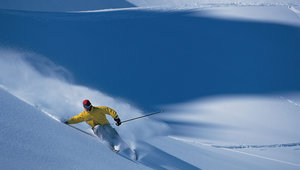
226, 73
250, 131
278, 11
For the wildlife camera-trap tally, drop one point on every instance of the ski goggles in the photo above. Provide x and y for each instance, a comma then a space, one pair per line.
87, 107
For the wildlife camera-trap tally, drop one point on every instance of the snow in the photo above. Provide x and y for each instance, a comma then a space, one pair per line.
48, 144
206, 133
249, 114
32, 140
200, 3
225, 72
205, 156
257, 126
255, 13
258, 10
51, 81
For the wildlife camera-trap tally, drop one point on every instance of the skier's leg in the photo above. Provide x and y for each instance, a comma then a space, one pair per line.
101, 132
119, 144
114, 137
97, 131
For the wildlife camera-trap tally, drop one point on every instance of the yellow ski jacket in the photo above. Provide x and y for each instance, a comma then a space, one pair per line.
94, 117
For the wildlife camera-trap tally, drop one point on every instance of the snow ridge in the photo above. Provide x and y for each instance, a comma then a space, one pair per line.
259, 146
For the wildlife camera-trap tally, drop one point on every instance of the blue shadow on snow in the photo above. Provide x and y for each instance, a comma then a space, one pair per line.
158, 58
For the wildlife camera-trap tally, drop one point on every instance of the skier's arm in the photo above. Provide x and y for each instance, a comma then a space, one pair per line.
111, 112
114, 115
76, 119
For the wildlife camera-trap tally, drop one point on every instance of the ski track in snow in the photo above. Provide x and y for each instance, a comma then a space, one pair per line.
232, 149
290, 101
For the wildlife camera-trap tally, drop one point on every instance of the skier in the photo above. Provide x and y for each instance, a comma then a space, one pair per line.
95, 117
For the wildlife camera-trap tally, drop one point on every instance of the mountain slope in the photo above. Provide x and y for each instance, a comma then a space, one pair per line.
32, 140
226, 85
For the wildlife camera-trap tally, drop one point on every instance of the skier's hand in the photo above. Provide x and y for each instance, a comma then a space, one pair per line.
64, 120
118, 121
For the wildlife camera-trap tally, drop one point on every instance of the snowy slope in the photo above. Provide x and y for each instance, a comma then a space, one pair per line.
275, 11
32, 140
264, 13
257, 126
201, 3
231, 132
39, 142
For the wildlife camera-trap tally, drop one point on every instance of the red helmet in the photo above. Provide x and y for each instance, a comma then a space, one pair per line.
87, 104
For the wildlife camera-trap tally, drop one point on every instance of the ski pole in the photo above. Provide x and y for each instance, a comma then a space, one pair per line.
81, 130
142, 116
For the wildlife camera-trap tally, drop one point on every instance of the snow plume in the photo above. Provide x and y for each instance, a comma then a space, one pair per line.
47, 86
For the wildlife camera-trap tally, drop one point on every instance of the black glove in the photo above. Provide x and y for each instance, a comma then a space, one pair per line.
65, 121
118, 121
